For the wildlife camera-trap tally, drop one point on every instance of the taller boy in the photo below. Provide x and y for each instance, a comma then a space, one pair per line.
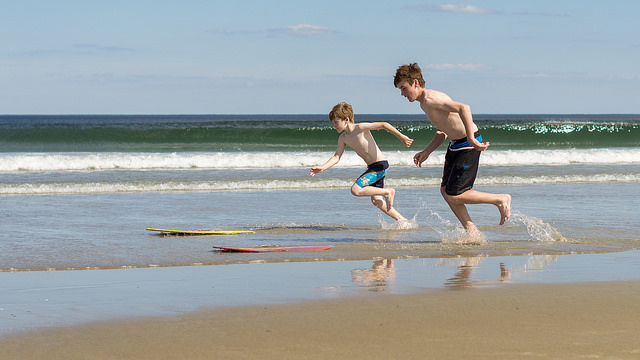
452, 119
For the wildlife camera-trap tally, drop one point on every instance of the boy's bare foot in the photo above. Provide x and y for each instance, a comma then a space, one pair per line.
472, 236
505, 209
389, 197
404, 224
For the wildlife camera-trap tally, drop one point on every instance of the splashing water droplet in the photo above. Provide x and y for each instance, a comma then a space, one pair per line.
537, 229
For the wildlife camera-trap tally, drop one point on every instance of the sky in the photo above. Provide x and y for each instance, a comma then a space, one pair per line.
303, 57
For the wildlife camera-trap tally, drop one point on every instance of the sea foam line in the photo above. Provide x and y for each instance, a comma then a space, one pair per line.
45, 162
293, 184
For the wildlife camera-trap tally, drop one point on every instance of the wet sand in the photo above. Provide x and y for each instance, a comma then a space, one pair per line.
550, 321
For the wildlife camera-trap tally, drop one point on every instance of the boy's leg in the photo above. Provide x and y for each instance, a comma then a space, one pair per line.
457, 204
372, 191
459, 210
371, 183
381, 203
459, 174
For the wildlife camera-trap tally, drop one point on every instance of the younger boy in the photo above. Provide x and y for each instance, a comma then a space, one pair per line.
452, 119
358, 137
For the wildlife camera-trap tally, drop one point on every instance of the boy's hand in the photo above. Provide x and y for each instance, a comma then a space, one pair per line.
480, 146
420, 157
407, 141
314, 170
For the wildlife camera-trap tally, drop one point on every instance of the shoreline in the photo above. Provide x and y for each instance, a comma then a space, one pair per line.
564, 321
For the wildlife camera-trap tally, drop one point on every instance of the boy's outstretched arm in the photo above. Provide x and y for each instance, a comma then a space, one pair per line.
318, 169
407, 141
332, 160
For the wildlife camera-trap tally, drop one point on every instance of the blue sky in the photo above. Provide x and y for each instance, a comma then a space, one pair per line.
302, 57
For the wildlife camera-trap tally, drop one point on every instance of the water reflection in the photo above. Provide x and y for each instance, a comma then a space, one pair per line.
505, 275
378, 278
468, 272
462, 277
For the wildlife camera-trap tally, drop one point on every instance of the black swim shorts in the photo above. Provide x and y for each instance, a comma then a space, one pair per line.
460, 166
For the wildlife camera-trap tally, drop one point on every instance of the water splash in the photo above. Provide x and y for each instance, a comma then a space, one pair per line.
537, 229
407, 224
455, 234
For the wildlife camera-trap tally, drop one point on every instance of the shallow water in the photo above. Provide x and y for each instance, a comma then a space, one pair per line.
108, 230
60, 298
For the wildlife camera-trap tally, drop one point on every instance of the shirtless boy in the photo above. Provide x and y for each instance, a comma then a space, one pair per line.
452, 119
358, 137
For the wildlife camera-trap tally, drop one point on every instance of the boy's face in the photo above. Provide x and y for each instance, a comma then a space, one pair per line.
340, 124
408, 90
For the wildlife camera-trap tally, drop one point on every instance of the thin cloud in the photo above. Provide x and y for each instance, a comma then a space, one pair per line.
463, 8
471, 9
535, 75
298, 30
303, 30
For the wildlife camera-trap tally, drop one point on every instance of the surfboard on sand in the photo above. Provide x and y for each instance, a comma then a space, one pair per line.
273, 248
201, 232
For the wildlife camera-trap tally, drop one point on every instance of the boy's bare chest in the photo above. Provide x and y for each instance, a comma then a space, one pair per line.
436, 117
357, 139
445, 121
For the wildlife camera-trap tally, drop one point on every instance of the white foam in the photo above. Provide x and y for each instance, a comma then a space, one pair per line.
19, 162
287, 184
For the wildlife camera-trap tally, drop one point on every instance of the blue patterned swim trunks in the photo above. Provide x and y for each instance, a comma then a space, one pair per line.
374, 176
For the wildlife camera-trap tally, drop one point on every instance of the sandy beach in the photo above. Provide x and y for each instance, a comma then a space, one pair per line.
551, 321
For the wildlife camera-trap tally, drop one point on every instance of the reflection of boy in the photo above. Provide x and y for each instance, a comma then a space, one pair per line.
452, 119
381, 275
358, 137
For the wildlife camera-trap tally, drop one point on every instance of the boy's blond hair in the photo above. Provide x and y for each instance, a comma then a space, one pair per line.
341, 111
408, 73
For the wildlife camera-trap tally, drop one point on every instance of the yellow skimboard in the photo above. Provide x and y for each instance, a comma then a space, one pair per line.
201, 232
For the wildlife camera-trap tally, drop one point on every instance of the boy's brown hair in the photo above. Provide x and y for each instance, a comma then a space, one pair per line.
408, 73
341, 111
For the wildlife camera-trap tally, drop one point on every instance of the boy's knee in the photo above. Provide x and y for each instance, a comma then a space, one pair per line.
450, 199
443, 192
356, 190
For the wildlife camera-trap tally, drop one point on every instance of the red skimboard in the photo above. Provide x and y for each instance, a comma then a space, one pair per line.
273, 248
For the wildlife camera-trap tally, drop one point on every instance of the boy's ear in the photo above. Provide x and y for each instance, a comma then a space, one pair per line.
416, 82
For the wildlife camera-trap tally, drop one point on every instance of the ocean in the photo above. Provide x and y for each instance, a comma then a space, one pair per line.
91, 185
55, 155
79, 191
